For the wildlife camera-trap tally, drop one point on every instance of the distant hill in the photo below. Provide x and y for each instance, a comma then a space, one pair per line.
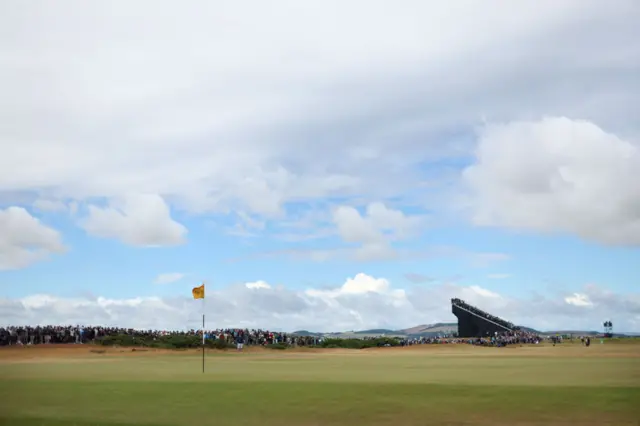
375, 331
574, 332
366, 333
306, 333
529, 330
437, 329
417, 329
431, 329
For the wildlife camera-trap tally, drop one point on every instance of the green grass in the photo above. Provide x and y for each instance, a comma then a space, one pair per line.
462, 386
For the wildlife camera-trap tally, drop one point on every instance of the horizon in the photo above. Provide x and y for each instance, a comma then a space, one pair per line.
314, 170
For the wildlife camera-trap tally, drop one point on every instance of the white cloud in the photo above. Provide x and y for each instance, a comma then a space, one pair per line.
484, 292
168, 278
138, 220
361, 284
361, 302
24, 240
46, 309
578, 299
215, 110
375, 230
258, 285
557, 175
46, 205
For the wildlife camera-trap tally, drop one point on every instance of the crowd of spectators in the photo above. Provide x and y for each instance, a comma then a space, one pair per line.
462, 304
498, 339
261, 337
86, 334
51, 334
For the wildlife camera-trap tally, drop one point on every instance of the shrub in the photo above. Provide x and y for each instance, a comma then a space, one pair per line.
279, 346
175, 341
119, 340
220, 344
359, 343
180, 341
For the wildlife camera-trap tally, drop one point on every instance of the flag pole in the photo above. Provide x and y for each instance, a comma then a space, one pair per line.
199, 293
203, 306
203, 343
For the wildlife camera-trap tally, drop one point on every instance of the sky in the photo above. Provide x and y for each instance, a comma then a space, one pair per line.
320, 165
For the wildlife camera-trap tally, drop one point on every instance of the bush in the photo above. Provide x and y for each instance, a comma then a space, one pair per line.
279, 346
220, 344
175, 341
119, 340
180, 341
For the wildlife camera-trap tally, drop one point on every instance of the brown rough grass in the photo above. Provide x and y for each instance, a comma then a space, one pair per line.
69, 352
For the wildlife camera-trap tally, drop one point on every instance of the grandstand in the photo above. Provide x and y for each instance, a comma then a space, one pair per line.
474, 322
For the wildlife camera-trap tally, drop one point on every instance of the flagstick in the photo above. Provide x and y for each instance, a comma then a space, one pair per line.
203, 332
203, 343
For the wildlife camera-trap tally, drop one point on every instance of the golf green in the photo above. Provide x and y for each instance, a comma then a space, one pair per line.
445, 384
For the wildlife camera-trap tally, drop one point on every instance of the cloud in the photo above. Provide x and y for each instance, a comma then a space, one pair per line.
498, 276
138, 220
375, 230
365, 237
246, 226
417, 278
168, 278
214, 111
356, 254
361, 284
312, 223
361, 302
258, 285
46, 205
578, 299
24, 240
483, 260
557, 175
484, 292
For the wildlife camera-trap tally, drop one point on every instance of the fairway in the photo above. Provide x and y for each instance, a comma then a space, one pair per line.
430, 384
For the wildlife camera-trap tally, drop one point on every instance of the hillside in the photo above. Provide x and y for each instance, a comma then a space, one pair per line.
424, 330
430, 329
574, 332
306, 333
434, 330
376, 331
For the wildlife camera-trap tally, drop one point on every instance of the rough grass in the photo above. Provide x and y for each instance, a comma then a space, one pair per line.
428, 385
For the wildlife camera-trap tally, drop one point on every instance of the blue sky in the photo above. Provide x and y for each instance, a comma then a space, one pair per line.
326, 177
117, 270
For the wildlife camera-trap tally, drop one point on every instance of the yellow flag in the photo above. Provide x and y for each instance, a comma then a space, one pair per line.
198, 292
